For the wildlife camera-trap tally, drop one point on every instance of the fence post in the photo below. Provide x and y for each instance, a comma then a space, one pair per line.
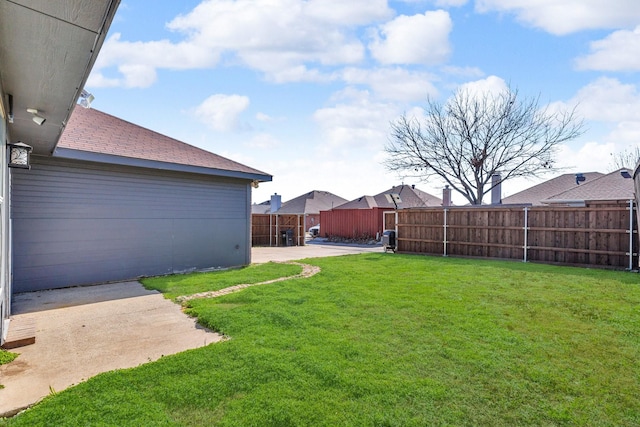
395, 216
630, 235
270, 230
301, 229
526, 233
445, 233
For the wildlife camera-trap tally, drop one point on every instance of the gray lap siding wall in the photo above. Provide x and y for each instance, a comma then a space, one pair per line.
77, 223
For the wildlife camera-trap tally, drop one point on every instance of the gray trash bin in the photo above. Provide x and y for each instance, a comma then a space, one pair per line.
286, 238
389, 240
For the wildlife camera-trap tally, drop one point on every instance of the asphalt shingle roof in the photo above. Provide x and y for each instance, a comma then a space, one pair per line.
410, 197
545, 190
93, 131
612, 186
311, 203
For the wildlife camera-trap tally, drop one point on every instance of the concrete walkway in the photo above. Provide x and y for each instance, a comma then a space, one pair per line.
83, 331
311, 250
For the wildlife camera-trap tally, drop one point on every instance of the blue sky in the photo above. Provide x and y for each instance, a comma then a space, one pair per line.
305, 90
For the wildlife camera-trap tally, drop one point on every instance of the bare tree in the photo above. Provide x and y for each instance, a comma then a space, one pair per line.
626, 159
470, 138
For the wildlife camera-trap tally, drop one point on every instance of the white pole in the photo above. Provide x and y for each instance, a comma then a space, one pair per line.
630, 235
526, 232
445, 234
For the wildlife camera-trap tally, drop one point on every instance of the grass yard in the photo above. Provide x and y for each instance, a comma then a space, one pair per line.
188, 284
390, 340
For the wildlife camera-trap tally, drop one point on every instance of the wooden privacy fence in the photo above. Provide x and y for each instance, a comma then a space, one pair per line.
352, 223
597, 235
277, 230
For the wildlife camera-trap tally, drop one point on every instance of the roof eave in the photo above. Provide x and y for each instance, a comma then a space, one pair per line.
71, 154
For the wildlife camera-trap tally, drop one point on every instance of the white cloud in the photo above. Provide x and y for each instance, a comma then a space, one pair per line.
137, 62
138, 75
353, 12
263, 117
491, 85
346, 176
274, 36
567, 16
417, 39
283, 73
626, 135
589, 157
607, 100
98, 79
620, 51
393, 83
470, 72
220, 112
284, 39
450, 3
355, 122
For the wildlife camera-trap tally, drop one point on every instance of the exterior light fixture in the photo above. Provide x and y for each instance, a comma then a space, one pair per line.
19, 155
36, 118
86, 98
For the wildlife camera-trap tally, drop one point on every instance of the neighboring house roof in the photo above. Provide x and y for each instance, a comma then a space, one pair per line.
261, 208
410, 197
362, 202
545, 190
612, 186
311, 203
96, 136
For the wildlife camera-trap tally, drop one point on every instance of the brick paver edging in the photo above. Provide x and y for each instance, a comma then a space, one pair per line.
307, 271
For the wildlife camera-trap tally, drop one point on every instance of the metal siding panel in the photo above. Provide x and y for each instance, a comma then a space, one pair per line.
76, 223
352, 223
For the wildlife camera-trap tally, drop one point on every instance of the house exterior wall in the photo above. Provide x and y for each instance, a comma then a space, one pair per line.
78, 223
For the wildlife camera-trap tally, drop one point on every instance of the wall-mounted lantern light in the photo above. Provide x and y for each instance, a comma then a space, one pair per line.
19, 155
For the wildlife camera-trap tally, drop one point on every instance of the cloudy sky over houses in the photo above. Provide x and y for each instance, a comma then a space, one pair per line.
305, 90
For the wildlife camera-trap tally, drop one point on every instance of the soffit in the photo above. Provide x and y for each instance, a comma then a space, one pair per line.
47, 49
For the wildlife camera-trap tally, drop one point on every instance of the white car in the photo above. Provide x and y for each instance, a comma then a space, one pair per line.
315, 230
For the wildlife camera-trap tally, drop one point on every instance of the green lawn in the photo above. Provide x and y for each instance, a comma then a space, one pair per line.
188, 284
391, 340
